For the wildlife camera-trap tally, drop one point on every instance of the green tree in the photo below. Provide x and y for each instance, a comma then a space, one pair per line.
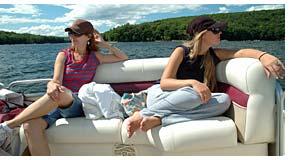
255, 25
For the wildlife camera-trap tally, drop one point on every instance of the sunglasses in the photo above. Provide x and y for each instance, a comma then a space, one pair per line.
215, 30
71, 33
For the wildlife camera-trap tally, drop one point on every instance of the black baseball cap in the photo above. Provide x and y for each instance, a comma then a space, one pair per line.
201, 23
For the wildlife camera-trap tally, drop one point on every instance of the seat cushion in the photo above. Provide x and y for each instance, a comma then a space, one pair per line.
82, 130
208, 133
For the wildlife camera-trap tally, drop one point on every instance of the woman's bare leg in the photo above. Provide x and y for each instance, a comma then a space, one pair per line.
35, 135
40, 108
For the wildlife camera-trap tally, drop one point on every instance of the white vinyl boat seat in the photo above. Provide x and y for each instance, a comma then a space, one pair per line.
246, 129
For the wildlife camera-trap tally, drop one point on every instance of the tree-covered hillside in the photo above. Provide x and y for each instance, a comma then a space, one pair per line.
15, 38
255, 25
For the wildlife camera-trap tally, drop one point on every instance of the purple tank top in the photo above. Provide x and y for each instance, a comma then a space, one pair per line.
77, 74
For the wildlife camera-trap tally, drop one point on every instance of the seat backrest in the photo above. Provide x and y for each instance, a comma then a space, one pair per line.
135, 70
131, 75
251, 91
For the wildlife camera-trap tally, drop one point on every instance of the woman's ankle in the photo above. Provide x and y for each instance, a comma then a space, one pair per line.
6, 126
11, 124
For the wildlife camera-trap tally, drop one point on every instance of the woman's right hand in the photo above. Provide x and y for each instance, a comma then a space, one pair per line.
53, 90
202, 90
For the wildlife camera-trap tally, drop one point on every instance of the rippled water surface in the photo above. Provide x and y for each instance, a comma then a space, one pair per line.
31, 61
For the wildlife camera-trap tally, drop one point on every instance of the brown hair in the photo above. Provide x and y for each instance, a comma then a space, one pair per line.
210, 69
91, 44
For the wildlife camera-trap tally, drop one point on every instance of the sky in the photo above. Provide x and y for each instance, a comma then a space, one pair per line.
52, 19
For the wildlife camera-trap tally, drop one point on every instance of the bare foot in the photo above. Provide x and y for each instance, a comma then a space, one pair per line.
133, 123
149, 122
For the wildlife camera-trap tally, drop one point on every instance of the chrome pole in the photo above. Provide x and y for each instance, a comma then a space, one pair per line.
280, 119
31, 81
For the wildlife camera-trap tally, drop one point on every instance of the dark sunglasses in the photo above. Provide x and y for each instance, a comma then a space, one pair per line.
71, 33
215, 30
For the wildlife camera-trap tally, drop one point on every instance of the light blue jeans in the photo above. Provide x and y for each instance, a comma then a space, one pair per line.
183, 105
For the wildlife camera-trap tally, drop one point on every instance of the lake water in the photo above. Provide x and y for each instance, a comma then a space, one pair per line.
31, 61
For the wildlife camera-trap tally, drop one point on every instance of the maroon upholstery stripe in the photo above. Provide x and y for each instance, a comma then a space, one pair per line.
235, 94
133, 87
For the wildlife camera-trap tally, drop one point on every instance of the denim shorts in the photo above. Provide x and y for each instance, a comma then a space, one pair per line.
74, 110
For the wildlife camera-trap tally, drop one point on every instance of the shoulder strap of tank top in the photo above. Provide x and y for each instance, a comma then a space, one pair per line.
214, 56
67, 54
186, 49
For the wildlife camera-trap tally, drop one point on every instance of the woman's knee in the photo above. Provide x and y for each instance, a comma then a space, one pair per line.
186, 95
224, 100
34, 125
189, 92
65, 98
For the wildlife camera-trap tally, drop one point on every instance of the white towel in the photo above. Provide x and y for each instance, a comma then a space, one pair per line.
100, 100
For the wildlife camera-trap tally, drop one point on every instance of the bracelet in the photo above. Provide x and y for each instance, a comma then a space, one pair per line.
263, 53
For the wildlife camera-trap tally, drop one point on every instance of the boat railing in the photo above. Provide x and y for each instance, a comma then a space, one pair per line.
26, 82
1, 85
280, 119
27, 96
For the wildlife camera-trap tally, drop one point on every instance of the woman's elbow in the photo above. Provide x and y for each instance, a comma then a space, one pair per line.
163, 84
125, 58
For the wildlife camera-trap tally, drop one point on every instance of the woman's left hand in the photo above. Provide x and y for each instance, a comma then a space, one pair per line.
273, 66
100, 41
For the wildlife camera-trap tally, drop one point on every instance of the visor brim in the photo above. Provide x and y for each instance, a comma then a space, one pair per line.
222, 25
70, 29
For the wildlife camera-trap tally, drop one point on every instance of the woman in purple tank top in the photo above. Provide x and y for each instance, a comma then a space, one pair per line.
73, 68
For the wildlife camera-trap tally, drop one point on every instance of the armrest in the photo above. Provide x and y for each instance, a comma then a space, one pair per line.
255, 119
